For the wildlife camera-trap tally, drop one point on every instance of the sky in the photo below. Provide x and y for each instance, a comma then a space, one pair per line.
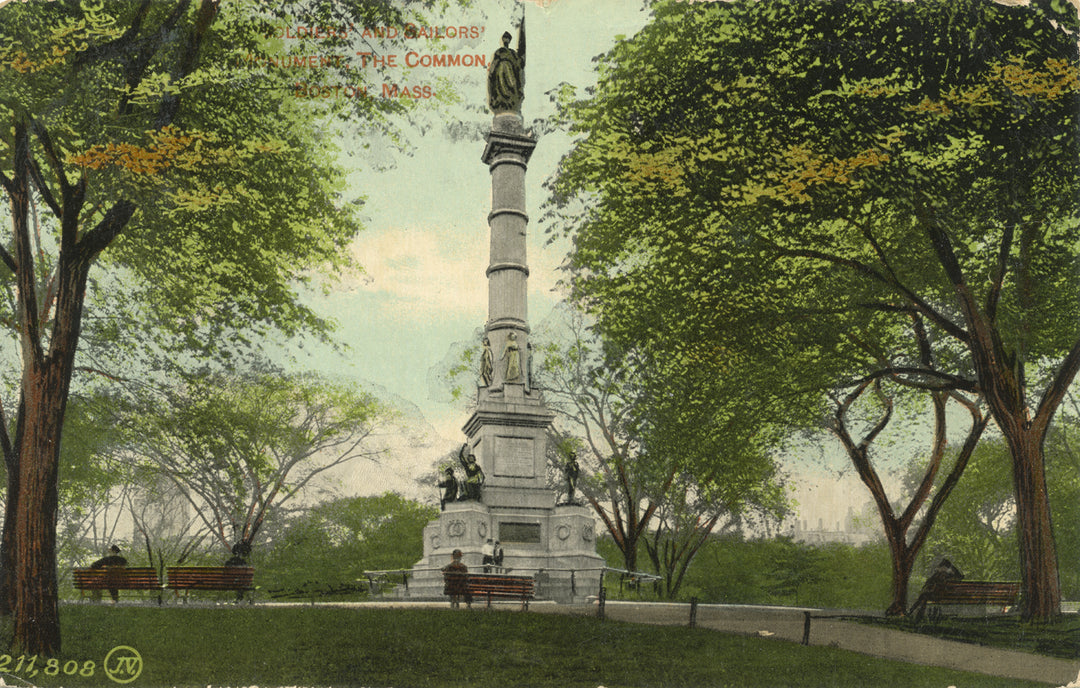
425, 247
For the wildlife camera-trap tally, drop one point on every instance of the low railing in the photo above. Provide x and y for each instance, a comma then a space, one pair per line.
375, 579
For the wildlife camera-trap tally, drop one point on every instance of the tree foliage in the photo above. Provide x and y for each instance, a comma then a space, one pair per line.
239, 446
156, 173
326, 549
793, 187
666, 457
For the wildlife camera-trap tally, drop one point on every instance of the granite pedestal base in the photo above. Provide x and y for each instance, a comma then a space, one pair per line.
555, 544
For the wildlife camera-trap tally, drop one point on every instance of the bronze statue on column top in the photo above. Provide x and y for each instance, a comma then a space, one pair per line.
506, 75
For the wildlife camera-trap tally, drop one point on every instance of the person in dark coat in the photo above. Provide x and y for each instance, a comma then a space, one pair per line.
456, 581
943, 573
240, 552
112, 560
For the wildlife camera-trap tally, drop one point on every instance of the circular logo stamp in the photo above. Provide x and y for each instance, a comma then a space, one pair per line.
123, 664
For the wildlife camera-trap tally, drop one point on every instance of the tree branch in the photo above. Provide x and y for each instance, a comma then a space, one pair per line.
938, 318
993, 297
1057, 389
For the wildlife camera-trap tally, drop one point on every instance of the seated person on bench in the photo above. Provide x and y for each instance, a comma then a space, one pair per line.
110, 560
943, 573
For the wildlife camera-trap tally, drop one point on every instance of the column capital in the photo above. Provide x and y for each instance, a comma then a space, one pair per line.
507, 137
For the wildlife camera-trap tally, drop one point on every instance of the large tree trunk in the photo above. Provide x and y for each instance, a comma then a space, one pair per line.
1041, 598
28, 545
1001, 378
901, 558
7, 539
45, 384
37, 621
1025, 434
29, 537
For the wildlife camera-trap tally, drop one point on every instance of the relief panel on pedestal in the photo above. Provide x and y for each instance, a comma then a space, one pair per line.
514, 457
519, 533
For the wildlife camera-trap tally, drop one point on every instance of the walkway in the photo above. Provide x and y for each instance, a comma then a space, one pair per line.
786, 623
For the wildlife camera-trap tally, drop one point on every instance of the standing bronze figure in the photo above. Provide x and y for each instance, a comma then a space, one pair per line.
506, 75
474, 475
487, 366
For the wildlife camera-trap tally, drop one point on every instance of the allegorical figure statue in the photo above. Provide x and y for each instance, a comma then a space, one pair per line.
449, 487
506, 75
512, 356
474, 475
571, 470
487, 364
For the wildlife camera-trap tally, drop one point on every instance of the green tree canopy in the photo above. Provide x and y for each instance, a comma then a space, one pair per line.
667, 450
240, 445
327, 549
834, 190
156, 172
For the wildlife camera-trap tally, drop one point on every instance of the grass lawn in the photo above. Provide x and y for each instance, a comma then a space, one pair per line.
266, 645
1060, 638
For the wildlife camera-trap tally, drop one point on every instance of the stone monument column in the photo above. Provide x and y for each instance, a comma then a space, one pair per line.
507, 432
507, 155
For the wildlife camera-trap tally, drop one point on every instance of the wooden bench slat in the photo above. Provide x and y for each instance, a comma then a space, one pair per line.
130, 578
210, 577
976, 592
117, 578
498, 585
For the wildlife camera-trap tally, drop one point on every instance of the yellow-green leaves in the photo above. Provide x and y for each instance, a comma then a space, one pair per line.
174, 147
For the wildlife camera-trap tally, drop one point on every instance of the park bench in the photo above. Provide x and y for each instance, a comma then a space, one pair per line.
240, 579
501, 585
117, 578
964, 592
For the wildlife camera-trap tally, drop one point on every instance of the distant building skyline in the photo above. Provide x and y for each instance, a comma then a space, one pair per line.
850, 531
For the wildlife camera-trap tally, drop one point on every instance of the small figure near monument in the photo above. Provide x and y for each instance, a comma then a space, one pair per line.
943, 573
571, 471
506, 75
528, 367
449, 486
512, 356
456, 581
487, 363
474, 475
488, 552
498, 558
